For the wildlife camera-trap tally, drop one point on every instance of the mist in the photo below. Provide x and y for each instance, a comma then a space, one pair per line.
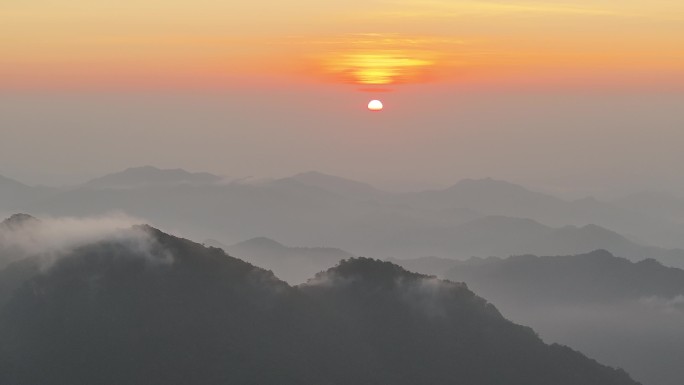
641, 335
428, 136
201, 193
625, 314
52, 238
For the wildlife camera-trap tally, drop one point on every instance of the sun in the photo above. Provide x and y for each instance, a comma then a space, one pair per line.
375, 105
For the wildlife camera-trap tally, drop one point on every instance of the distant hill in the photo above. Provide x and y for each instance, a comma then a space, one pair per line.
613, 309
314, 208
654, 204
15, 195
174, 312
504, 236
490, 196
573, 240
148, 175
284, 209
436, 266
8, 184
501, 198
627, 314
292, 264
298, 213
593, 277
344, 187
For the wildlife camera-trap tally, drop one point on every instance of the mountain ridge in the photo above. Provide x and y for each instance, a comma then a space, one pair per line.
147, 175
343, 186
292, 264
177, 312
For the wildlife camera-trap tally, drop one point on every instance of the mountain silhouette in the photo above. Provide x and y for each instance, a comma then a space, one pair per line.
387, 304
501, 198
17, 221
11, 184
342, 186
292, 264
148, 175
16, 195
175, 312
298, 211
627, 314
487, 195
657, 204
504, 236
593, 277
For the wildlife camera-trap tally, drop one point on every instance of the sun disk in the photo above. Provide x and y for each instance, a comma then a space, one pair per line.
375, 105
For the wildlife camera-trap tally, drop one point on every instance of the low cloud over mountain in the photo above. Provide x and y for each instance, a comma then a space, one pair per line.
472, 218
107, 312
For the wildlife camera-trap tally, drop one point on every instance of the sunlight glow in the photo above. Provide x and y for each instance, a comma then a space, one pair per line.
377, 43
378, 68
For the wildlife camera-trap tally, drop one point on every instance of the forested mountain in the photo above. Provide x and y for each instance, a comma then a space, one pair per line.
144, 307
624, 313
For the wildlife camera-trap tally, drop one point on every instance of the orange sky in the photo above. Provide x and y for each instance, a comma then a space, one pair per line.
376, 43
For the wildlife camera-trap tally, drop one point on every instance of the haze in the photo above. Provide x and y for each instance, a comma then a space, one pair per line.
197, 192
511, 90
572, 143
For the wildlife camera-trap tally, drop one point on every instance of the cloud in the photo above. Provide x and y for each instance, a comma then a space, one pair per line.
665, 305
329, 279
51, 238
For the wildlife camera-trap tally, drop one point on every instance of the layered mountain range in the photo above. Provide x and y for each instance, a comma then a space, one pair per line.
135, 305
479, 218
628, 314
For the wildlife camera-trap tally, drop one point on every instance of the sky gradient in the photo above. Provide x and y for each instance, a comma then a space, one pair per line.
569, 96
208, 43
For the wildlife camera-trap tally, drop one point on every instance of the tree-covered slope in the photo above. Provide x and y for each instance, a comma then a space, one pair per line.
149, 308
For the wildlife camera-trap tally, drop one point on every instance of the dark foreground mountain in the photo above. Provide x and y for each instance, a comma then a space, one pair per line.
438, 332
148, 308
